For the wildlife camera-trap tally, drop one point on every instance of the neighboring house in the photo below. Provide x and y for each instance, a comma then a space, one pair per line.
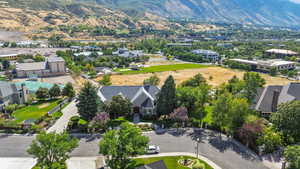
156, 165
88, 54
103, 70
142, 97
124, 52
267, 65
207, 54
280, 53
269, 98
11, 93
53, 66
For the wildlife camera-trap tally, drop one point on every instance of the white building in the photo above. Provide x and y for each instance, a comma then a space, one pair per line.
267, 65
207, 54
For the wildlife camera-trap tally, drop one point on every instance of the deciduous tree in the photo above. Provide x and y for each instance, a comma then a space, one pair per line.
120, 145
54, 91
118, 106
52, 150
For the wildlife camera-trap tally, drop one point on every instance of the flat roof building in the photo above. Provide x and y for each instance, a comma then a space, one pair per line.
267, 65
280, 53
53, 66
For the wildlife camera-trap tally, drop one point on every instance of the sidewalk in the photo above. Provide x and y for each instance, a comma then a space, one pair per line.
212, 164
72, 163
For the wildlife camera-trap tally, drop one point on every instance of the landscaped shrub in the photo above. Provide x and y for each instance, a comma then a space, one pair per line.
198, 165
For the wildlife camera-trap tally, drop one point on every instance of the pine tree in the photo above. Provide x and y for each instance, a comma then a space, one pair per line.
88, 102
166, 101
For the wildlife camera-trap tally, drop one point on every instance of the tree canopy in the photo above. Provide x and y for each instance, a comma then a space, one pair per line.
52, 150
120, 145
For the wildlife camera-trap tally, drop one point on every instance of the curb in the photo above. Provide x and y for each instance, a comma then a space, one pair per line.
209, 162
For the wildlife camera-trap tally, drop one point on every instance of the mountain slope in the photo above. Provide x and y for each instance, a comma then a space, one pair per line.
263, 12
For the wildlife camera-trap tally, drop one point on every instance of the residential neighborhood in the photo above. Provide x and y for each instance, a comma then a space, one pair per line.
129, 84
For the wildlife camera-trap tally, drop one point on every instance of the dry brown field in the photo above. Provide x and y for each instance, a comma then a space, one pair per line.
219, 75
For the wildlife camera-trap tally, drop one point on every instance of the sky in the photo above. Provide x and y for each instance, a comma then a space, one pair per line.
296, 1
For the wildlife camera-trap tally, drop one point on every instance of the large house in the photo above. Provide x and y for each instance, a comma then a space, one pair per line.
270, 97
142, 97
124, 52
207, 54
11, 93
53, 66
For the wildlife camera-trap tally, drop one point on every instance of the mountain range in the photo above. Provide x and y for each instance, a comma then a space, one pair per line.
21, 14
262, 12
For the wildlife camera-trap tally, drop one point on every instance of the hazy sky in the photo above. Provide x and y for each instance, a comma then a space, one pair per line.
297, 1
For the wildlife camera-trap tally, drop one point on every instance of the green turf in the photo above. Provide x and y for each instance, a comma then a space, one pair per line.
34, 111
163, 68
171, 162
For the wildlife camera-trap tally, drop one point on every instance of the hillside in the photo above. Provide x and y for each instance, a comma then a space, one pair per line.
36, 16
262, 12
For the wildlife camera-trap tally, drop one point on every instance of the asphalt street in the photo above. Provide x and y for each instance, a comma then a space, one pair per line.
226, 153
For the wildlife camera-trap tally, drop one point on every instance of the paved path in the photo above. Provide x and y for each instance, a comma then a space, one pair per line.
226, 153
62, 123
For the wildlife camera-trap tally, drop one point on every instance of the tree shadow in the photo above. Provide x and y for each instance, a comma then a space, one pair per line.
177, 132
224, 144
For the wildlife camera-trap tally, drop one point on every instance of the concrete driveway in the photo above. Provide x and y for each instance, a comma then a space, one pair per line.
62, 123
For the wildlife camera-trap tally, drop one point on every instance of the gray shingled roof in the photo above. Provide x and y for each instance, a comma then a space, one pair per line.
127, 91
264, 104
139, 95
7, 89
287, 93
156, 165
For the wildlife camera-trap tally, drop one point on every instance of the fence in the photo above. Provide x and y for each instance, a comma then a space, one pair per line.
58, 107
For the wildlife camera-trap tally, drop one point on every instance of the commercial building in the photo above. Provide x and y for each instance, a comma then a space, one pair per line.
267, 65
280, 53
53, 66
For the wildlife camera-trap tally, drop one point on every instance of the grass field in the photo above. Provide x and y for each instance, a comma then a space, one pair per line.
171, 162
218, 76
163, 68
35, 111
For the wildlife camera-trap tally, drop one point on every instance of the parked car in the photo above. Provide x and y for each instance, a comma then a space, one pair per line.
153, 149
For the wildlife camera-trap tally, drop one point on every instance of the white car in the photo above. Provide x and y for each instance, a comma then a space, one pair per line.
153, 149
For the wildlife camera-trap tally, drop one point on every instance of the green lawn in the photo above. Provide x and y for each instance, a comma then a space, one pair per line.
171, 162
35, 111
163, 68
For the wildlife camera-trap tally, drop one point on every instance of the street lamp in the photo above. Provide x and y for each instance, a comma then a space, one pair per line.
198, 140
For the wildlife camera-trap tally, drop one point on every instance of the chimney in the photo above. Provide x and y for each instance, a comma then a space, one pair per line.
275, 100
